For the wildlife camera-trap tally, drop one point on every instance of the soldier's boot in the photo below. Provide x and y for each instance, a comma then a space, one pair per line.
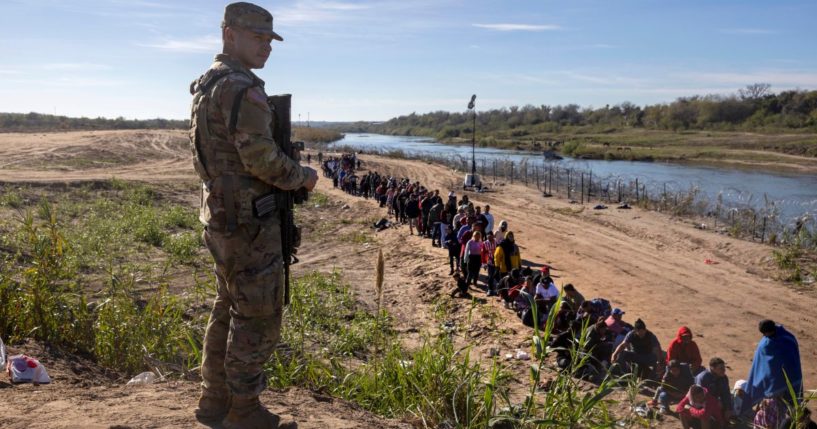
248, 413
212, 407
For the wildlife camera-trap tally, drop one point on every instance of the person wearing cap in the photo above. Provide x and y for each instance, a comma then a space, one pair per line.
618, 327
640, 347
238, 161
674, 384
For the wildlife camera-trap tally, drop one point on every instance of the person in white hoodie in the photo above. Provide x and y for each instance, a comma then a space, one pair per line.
499, 235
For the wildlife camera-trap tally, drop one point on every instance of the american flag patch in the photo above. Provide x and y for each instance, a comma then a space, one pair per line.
257, 95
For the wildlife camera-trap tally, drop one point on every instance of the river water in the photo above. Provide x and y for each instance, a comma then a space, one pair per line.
793, 194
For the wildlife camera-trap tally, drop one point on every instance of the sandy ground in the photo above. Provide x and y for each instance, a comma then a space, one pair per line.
647, 263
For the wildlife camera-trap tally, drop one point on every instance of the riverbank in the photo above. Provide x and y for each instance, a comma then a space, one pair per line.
777, 151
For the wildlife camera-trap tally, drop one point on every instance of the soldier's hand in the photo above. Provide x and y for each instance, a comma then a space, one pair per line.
311, 179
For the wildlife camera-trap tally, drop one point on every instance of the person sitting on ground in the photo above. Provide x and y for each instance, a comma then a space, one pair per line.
571, 297
640, 347
770, 414
715, 380
674, 385
461, 286
513, 292
585, 310
805, 421
684, 349
546, 293
599, 345
617, 326
738, 396
563, 319
506, 283
525, 301
700, 409
564, 344
507, 255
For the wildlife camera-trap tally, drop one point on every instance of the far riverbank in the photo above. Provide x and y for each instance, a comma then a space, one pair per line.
779, 151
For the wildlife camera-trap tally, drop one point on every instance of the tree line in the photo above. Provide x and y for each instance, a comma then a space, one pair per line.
753, 108
38, 122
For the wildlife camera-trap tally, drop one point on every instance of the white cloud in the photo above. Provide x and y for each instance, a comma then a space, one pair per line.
747, 31
196, 44
518, 27
9, 71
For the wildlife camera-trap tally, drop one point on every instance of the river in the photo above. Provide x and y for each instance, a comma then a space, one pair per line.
793, 194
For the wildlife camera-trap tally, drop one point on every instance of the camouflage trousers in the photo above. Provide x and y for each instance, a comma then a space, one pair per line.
245, 324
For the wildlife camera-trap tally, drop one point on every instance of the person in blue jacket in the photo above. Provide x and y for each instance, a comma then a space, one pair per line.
777, 358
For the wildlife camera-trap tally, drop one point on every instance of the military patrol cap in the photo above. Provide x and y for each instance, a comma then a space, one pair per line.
251, 17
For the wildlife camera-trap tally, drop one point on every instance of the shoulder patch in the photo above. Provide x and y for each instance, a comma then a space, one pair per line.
257, 95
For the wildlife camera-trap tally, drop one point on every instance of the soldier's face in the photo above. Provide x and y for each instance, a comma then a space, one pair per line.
248, 47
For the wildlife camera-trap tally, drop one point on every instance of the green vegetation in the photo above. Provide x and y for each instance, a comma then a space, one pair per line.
336, 348
797, 256
315, 135
688, 128
38, 122
76, 273
75, 269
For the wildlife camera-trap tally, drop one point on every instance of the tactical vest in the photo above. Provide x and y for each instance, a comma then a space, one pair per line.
228, 190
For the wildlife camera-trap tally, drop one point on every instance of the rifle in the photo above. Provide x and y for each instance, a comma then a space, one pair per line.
281, 125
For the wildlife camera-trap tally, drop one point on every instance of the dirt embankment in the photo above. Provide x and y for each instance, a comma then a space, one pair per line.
650, 265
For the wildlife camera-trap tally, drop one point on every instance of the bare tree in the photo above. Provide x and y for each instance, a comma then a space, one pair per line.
754, 91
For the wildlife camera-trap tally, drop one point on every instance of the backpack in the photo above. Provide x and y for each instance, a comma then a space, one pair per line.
601, 307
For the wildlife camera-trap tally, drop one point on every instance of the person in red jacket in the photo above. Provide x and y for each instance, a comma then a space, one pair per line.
684, 349
700, 409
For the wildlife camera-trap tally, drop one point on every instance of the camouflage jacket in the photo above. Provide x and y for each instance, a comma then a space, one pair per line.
233, 150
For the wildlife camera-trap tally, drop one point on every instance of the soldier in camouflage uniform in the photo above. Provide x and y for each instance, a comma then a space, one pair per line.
238, 161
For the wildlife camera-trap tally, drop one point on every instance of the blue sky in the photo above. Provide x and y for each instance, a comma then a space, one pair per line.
373, 60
